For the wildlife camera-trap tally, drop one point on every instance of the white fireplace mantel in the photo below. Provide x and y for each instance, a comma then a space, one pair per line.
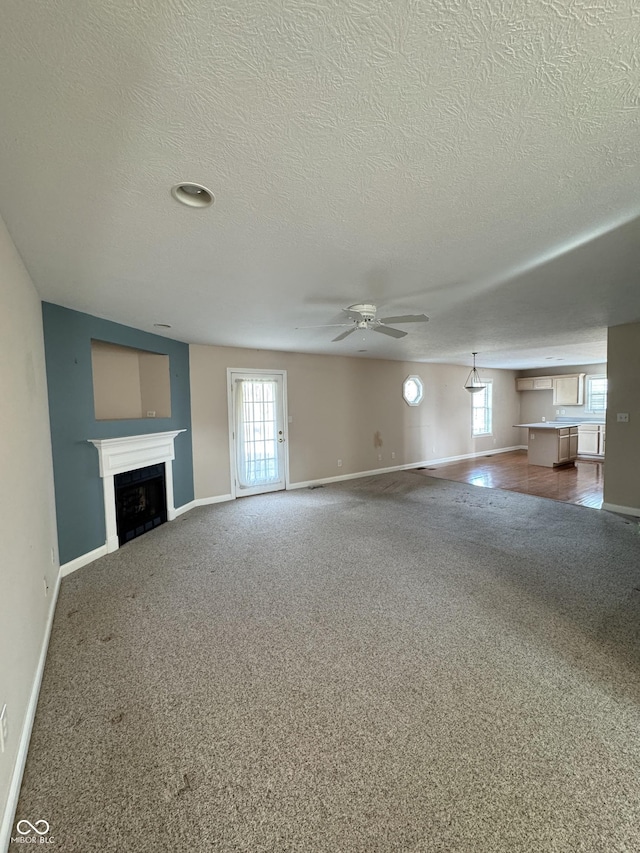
117, 455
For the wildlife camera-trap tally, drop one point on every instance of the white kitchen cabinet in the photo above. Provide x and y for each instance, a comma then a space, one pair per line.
591, 439
573, 444
542, 383
524, 384
567, 445
568, 390
551, 447
534, 383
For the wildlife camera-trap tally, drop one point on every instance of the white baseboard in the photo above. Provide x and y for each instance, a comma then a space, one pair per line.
180, 510
305, 484
622, 510
27, 726
109, 547
83, 560
428, 462
112, 544
216, 499
476, 455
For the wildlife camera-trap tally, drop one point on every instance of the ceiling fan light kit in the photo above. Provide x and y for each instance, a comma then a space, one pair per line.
474, 383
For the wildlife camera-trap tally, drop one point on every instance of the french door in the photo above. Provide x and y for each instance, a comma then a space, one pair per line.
258, 432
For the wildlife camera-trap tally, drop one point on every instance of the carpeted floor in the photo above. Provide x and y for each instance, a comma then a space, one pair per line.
395, 663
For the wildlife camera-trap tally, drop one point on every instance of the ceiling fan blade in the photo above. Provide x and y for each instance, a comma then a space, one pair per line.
343, 335
324, 326
387, 330
407, 318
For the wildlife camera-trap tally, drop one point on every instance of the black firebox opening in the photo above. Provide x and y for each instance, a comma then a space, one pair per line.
141, 502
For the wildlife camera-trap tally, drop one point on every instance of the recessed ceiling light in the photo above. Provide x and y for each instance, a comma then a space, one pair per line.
162, 325
193, 195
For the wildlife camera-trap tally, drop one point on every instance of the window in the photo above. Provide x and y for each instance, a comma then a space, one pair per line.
596, 394
481, 410
413, 390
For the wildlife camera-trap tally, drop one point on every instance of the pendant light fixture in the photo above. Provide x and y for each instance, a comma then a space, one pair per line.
474, 383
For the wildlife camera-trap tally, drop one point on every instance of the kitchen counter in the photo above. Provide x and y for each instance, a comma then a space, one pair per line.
563, 419
551, 443
550, 425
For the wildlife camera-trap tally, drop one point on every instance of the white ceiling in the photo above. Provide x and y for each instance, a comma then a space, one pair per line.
476, 160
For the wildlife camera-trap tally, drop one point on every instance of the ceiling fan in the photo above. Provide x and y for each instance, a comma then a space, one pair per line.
364, 317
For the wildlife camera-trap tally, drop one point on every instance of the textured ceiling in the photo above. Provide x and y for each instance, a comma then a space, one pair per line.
476, 160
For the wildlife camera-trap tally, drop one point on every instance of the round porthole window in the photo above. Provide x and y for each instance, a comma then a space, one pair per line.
413, 390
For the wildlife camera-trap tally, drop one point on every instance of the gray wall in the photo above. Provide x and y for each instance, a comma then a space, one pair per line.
27, 522
622, 473
78, 488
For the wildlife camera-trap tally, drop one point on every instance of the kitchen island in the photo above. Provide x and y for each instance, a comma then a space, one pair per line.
552, 444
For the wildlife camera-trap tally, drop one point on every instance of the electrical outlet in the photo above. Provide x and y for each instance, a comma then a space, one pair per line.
4, 731
543, 419
393, 454
622, 417
379, 457
151, 414
339, 463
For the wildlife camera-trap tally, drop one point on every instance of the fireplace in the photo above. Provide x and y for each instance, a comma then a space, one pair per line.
141, 502
132, 455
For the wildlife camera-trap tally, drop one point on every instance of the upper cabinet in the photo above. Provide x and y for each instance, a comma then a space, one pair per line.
567, 390
524, 384
534, 383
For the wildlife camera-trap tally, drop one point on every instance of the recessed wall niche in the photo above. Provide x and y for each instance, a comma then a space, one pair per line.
129, 383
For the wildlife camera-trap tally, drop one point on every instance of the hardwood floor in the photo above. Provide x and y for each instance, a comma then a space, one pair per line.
581, 484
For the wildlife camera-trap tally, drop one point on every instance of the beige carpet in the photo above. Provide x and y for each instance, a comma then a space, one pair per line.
390, 664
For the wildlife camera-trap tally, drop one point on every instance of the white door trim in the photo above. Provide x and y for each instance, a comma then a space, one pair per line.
258, 371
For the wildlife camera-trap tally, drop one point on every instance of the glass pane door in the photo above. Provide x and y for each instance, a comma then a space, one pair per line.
259, 436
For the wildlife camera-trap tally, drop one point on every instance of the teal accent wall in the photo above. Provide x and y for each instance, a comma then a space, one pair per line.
78, 487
